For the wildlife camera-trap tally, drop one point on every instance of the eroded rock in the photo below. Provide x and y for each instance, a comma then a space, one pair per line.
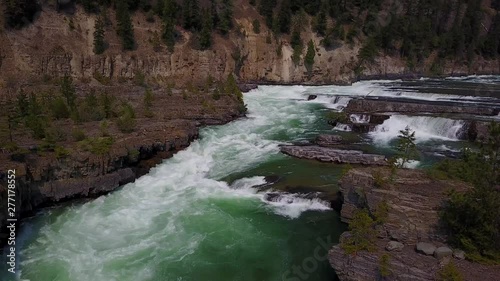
394, 246
325, 154
442, 252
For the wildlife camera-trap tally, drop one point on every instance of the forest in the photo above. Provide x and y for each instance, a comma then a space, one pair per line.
455, 29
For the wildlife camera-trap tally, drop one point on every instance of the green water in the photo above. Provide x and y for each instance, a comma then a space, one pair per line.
198, 215
184, 221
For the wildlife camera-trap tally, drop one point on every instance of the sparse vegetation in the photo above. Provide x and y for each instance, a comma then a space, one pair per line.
407, 150
449, 273
361, 234
384, 265
472, 217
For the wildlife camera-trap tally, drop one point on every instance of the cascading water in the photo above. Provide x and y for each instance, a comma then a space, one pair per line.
359, 118
181, 221
425, 127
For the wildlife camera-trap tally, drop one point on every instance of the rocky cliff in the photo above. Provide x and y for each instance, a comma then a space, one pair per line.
409, 236
44, 178
64, 44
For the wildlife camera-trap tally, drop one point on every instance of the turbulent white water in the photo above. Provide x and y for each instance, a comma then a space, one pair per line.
359, 118
89, 240
426, 128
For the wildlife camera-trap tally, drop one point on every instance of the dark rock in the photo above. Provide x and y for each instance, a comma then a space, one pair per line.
425, 248
325, 154
362, 128
378, 118
312, 97
328, 140
247, 87
442, 252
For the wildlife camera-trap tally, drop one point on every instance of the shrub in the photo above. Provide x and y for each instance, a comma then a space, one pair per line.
256, 26
97, 146
361, 234
381, 212
59, 108
139, 79
384, 266
104, 80
471, 218
449, 273
126, 121
61, 152
78, 134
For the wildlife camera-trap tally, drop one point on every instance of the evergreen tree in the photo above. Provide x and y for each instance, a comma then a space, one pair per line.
191, 14
309, 58
406, 147
168, 16
99, 44
68, 91
214, 13
226, 19
266, 9
125, 28
206, 31
320, 26
17, 13
284, 17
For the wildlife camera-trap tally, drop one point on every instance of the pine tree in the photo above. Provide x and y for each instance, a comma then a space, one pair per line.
125, 27
17, 13
206, 31
214, 13
284, 17
191, 14
168, 15
406, 147
266, 9
68, 91
99, 44
320, 27
309, 58
226, 19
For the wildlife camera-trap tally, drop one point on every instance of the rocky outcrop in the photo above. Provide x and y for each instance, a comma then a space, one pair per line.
339, 156
409, 236
44, 179
415, 107
328, 140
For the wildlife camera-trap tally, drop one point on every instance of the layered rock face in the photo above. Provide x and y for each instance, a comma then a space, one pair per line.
410, 230
63, 48
339, 156
43, 179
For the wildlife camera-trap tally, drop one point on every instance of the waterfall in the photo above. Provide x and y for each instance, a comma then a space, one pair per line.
425, 127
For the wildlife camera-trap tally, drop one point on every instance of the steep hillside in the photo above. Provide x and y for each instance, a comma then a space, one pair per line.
60, 42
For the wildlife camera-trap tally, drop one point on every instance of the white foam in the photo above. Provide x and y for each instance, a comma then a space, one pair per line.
360, 118
426, 128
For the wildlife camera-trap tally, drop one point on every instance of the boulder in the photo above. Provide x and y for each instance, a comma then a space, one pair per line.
394, 246
426, 248
312, 97
459, 254
328, 140
442, 252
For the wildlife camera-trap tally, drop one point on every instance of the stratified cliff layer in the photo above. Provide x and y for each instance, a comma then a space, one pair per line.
410, 234
58, 43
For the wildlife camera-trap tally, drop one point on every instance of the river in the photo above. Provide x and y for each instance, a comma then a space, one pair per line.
198, 215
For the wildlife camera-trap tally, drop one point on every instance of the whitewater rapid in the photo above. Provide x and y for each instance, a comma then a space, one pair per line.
148, 220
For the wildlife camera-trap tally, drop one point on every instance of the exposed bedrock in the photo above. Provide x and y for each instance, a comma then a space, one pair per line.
326, 154
410, 235
415, 107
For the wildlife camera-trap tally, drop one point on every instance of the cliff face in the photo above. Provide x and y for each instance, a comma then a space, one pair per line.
413, 202
58, 43
43, 178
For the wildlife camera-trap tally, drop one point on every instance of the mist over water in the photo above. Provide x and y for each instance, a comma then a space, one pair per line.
198, 215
